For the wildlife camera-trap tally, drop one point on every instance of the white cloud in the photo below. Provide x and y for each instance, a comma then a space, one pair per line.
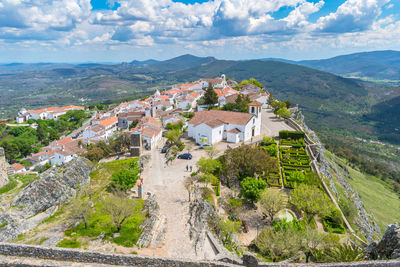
351, 16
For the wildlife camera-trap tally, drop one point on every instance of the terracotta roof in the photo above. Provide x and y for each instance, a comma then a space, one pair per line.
214, 123
17, 167
226, 91
108, 122
150, 132
225, 116
234, 130
132, 114
255, 103
96, 128
213, 81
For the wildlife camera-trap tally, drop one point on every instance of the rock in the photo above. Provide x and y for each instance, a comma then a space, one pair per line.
249, 260
154, 227
389, 246
4, 166
115, 235
40, 199
201, 214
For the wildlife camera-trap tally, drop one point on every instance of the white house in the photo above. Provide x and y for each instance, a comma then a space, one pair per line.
62, 156
219, 82
216, 125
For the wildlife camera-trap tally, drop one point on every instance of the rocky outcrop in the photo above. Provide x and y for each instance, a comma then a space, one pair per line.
154, 227
201, 214
389, 246
40, 199
3, 168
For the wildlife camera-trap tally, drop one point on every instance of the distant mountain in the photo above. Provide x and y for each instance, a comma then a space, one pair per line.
378, 65
144, 63
181, 63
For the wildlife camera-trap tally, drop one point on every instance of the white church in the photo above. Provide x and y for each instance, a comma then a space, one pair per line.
213, 126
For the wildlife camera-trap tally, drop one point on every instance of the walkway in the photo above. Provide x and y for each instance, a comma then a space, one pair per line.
167, 183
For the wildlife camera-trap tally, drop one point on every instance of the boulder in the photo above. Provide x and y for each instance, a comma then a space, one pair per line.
389, 246
40, 199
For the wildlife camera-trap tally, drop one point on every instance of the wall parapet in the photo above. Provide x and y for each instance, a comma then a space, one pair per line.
97, 258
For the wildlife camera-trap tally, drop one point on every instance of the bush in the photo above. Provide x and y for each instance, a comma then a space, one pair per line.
333, 222
291, 134
251, 188
125, 178
217, 190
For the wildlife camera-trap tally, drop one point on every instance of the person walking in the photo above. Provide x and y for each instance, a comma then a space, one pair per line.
191, 168
187, 168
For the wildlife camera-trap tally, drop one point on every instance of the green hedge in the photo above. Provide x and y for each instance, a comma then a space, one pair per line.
291, 134
332, 226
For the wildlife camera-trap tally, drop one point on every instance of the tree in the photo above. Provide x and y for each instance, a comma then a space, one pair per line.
133, 124
245, 161
81, 208
211, 151
124, 179
119, 209
251, 188
210, 96
288, 103
174, 137
226, 230
311, 200
283, 113
277, 245
311, 239
189, 185
207, 165
272, 201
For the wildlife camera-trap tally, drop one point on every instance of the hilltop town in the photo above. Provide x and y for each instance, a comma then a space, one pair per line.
207, 170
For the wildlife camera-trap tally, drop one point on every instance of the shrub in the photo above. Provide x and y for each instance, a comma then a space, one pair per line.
124, 179
291, 134
251, 188
9, 186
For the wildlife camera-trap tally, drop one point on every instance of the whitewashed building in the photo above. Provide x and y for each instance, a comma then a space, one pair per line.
214, 126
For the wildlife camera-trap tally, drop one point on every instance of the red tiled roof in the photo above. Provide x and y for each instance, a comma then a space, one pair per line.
234, 130
225, 116
108, 122
17, 166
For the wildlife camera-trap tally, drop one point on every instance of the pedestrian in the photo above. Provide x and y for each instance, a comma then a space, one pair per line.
191, 168
187, 168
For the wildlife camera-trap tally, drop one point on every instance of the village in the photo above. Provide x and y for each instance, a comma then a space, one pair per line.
151, 116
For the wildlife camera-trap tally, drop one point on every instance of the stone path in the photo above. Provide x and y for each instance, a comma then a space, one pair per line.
167, 183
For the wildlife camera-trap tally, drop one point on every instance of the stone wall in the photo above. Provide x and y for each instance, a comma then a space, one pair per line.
96, 258
62, 254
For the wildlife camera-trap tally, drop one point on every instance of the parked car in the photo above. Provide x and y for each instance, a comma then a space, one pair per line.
185, 156
164, 149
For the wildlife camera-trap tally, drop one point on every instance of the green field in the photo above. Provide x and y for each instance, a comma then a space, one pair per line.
378, 198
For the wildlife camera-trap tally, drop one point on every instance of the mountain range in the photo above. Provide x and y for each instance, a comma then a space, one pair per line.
376, 65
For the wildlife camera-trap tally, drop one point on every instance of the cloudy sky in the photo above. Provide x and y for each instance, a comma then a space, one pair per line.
123, 30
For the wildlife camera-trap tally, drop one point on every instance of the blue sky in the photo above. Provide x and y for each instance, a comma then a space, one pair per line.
124, 30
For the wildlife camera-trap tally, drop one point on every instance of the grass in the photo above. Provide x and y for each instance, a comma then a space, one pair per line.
12, 183
99, 222
26, 179
378, 198
41, 241
69, 243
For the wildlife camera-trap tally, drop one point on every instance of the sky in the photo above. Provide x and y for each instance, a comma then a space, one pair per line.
126, 30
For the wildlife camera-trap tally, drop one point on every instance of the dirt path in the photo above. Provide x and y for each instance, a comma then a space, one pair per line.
172, 197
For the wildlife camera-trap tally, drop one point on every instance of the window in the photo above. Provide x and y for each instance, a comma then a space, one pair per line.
254, 121
252, 109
